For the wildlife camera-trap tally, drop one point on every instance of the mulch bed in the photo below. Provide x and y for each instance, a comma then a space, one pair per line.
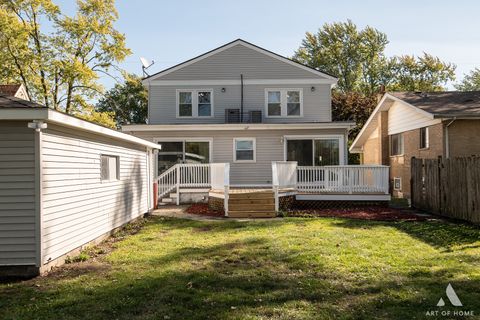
204, 210
366, 213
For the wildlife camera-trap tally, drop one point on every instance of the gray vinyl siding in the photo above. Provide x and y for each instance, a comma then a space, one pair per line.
232, 62
17, 194
269, 147
316, 104
77, 206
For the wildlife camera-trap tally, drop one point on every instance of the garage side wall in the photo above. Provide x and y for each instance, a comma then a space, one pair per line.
17, 194
79, 207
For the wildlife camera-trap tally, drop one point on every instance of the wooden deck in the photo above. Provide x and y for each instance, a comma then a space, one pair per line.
248, 202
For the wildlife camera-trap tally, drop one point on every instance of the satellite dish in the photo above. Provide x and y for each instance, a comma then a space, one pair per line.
146, 65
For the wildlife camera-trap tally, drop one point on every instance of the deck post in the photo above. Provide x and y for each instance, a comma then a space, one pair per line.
178, 183
277, 201
225, 200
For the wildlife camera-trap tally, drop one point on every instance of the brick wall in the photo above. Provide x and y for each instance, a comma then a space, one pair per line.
463, 138
400, 165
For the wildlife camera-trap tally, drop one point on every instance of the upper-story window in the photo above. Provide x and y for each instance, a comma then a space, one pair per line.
194, 103
284, 102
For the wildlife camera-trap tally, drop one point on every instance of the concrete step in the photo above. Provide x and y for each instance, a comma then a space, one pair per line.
167, 200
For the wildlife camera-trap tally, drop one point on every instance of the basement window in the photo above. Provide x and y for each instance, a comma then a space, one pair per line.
109, 168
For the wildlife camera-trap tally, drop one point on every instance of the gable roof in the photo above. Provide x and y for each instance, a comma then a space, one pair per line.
15, 90
245, 44
444, 104
440, 105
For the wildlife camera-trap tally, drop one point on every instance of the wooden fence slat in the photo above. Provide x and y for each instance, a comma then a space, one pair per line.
449, 187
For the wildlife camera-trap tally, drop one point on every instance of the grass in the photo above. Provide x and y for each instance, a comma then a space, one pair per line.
280, 269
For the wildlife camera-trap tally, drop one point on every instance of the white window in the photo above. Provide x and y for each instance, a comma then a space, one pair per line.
194, 103
396, 144
424, 138
244, 150
284, 102
109, 168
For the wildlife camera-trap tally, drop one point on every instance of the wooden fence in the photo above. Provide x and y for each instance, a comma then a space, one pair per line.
448, 187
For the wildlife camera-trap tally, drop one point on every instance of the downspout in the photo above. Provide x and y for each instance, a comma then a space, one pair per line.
241, 98
447, 143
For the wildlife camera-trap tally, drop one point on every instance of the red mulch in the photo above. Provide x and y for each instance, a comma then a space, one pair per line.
366, 213
203, 210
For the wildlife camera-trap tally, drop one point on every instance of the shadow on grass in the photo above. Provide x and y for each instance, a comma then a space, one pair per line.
437, 233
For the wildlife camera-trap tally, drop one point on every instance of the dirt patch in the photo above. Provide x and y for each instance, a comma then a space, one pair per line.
204, 210
365, 213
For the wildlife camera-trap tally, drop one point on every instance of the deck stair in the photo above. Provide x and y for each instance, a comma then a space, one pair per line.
251, 204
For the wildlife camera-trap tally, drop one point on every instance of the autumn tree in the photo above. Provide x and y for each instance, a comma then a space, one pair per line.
60, 58
471, 81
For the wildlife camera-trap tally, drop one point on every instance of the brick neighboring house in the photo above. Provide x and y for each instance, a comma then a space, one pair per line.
421, 125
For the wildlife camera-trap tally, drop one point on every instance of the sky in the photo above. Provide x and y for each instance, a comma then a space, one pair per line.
171, 32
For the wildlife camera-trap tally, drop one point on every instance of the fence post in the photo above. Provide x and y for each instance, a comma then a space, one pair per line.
412, 189
177, 173
439, 195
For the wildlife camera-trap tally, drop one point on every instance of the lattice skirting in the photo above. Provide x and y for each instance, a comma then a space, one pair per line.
334, 204
215, 203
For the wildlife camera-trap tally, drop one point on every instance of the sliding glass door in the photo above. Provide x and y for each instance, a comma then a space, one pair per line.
314, 151
184, 151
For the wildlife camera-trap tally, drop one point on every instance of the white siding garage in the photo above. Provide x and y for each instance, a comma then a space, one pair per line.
64, 182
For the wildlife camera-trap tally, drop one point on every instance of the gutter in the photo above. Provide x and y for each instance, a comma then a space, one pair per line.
447, 143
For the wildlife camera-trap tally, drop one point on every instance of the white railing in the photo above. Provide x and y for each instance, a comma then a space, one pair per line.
220, 180
186, 175
343, 179
284, 175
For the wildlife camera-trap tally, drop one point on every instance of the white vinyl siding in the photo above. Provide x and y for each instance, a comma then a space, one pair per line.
77, 205
17, 194
403, 118
270, 146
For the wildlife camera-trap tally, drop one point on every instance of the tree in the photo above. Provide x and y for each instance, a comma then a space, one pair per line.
127, 101
357, 58
424, 73
471, 81
59, 61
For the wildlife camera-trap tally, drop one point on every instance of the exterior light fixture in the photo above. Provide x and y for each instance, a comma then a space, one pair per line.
312, 89
223, 89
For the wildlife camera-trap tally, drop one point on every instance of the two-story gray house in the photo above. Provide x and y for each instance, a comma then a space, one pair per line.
249, 109
244, 105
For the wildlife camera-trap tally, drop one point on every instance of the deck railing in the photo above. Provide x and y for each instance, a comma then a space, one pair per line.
343, 179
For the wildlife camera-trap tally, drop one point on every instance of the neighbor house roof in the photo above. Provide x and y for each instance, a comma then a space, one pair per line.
330, 77
12, 108
440, 104
435, 105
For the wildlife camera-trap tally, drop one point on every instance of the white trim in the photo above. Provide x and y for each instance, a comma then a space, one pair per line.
38, 137
341, 144
254, 148
283, 102
227, 82
187, 139
194, 93
53, 116
236, 126
350, 197
160, 74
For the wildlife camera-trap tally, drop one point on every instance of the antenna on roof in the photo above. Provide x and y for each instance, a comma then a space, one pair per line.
146, 65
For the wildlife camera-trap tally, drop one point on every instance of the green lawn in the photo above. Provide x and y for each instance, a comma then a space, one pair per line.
280, 269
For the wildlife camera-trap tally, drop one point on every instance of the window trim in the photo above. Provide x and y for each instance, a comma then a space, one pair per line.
427, 139
402, 152
194, 93
117, 168
254, 148
283, 102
